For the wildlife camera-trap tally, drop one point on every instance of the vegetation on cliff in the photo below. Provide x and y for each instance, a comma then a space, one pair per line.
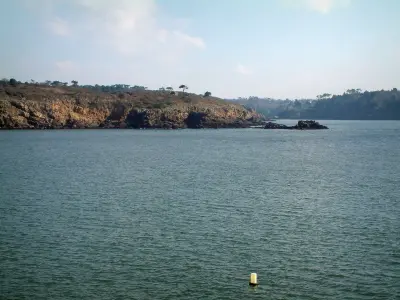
54, 104
351, 105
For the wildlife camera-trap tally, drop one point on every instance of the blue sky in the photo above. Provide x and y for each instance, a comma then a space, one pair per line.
269, 48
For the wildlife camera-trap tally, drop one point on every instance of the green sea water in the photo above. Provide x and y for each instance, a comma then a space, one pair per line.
189, 214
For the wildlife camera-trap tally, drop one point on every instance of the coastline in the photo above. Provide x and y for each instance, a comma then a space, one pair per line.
27, 107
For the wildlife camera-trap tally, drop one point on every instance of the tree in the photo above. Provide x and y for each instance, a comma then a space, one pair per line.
4, 81
138, 87
13, 82
207, 94
56, 83
47, 82
353, 91
74, 83
324, 96
65, 83
169, 88
183, 87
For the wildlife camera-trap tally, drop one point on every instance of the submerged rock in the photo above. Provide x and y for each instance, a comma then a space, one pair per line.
301, 125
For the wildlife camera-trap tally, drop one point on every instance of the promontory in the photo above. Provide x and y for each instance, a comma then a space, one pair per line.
57, 106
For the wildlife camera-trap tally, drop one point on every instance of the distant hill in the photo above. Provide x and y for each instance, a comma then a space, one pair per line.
273, 107
352, 105
54, 105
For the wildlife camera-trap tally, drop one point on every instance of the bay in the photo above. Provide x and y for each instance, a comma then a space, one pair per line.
189, 214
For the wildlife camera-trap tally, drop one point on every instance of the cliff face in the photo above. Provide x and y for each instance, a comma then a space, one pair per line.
38, 107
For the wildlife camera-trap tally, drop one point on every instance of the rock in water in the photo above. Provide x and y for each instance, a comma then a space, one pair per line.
301, 125
309, 125
272, 125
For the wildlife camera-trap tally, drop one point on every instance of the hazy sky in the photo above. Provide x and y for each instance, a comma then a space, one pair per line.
272, 48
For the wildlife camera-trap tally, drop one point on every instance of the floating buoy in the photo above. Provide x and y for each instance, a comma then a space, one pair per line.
253, 279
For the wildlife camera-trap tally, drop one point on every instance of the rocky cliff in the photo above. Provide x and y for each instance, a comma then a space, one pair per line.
30, 106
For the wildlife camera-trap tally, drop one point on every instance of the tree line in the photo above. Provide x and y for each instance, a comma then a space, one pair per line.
353, 104
114, 88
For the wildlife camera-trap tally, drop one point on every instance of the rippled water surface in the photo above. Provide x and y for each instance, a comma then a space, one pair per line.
125, 214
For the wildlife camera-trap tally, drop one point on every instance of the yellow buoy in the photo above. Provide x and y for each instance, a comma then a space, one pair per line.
253, 279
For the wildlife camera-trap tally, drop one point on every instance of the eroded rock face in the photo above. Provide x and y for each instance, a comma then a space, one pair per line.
301, 125
65, 111
196, 119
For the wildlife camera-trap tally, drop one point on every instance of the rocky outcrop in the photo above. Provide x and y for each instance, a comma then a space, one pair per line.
272, 125
301, 125
53, 108
309, 125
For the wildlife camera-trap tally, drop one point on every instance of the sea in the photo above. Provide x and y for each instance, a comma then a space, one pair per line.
189, 214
